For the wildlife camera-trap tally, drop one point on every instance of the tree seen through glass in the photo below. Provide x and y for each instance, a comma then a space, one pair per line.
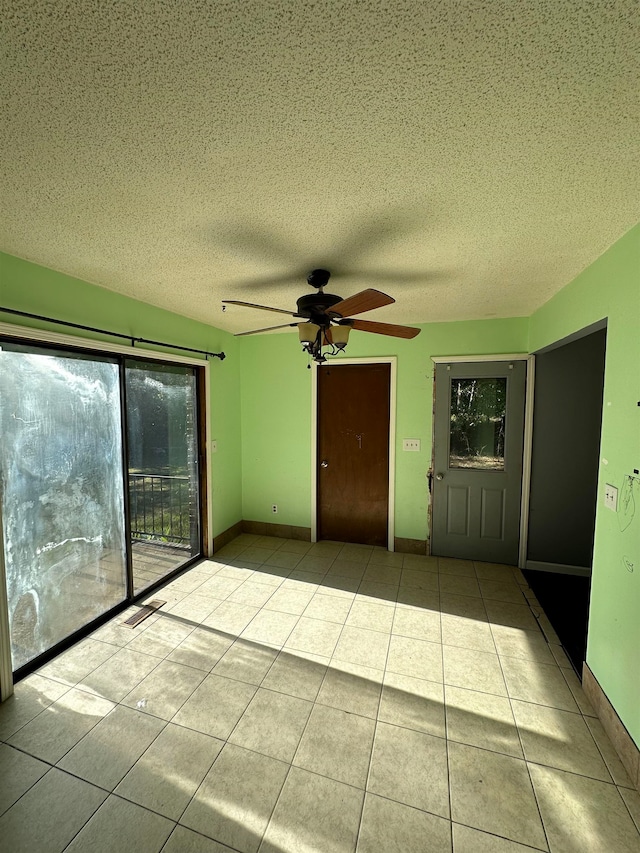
477, 426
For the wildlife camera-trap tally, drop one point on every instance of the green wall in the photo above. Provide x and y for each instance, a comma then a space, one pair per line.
276, 414
28, 287
610, 288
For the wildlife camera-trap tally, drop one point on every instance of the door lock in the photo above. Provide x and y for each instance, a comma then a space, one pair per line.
324, 464
439, 476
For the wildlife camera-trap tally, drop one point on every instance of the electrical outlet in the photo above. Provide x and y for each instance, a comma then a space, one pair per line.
411, 444
274, 508
611, 497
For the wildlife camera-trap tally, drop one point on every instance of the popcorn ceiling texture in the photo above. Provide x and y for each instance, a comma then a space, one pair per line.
469, 158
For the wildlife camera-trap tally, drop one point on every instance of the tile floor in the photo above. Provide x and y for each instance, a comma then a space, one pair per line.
292, 698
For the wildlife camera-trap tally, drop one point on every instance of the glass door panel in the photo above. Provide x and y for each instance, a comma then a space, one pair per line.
62, 493
477, 423
164, 494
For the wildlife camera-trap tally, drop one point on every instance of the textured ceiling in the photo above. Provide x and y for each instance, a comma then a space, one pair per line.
469, 158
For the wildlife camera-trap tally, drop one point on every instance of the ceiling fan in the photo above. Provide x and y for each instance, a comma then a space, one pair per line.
326, 318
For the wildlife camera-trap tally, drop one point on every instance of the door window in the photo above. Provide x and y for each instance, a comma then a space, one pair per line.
477, 423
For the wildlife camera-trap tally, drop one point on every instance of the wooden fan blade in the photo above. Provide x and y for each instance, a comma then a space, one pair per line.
390, 329
268, 329
366, 300
262, 307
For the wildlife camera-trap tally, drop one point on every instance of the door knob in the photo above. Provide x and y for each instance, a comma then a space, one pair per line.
439, 476
324, 464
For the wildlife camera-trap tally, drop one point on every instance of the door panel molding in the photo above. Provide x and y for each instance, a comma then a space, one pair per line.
393, 362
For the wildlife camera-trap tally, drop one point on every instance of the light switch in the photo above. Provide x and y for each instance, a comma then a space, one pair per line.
411, 444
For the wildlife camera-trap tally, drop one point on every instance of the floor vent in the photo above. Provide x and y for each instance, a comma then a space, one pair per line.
145, 611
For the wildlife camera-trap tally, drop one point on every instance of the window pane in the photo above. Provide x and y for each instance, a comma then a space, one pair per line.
163, 468
63, 496
477, 423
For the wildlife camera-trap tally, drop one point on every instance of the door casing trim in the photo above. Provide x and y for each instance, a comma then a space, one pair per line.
391, 360
527, 437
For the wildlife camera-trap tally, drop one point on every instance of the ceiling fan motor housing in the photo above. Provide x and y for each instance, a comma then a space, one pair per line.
314, 305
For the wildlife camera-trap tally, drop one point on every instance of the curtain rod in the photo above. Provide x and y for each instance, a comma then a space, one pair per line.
131, 338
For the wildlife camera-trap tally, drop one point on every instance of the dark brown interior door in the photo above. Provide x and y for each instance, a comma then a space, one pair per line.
353, 452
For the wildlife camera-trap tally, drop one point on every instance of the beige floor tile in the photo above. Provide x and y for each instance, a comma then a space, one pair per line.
416, 579
328, 607
170, 771
257, 554
254, 594
366, 614
419, 624
270, 542
272, 724
121, 825
235, 801
459, 568
558, 739
494, 572
339, 587
215, 706
378, 592
314, 563
291, 601
536, 682
391, 826
30, 697
165, 689
482, 720
413, 703
347, 569
296, 546
273, 575
411, 768
315, 815
324, 549
315, 636
463, 605
459, 585
220, 585
473, 670
183, 840
337, 744
119, 674
413, 598
231, 618
162, 637
48, 816
493, 792
246, 661
579, 696
270, 626
357, 553
632, 802
507, 590
61, 725
297, 674
362, 647
19, 773
467, 633
382, 574
512, 615
418, 561
352, 688
386, 558
202, 649
283, 559
582, 814
468, 840
76, 663
418, 658
560, 656
521, 643
107, 753
608, 752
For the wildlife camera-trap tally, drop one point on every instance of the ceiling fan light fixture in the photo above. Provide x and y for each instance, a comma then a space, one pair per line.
340, 336
308, 332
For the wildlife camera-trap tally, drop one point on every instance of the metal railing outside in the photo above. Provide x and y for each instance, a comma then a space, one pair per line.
160, 507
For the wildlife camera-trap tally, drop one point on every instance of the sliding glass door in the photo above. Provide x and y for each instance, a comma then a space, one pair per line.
63, 495
163, 474
99, 485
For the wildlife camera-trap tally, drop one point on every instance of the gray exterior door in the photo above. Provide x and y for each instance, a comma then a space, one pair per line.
478, 442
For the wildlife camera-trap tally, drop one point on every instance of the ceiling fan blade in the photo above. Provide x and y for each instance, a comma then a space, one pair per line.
366, 300
268, 329
261, 307
390, 329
